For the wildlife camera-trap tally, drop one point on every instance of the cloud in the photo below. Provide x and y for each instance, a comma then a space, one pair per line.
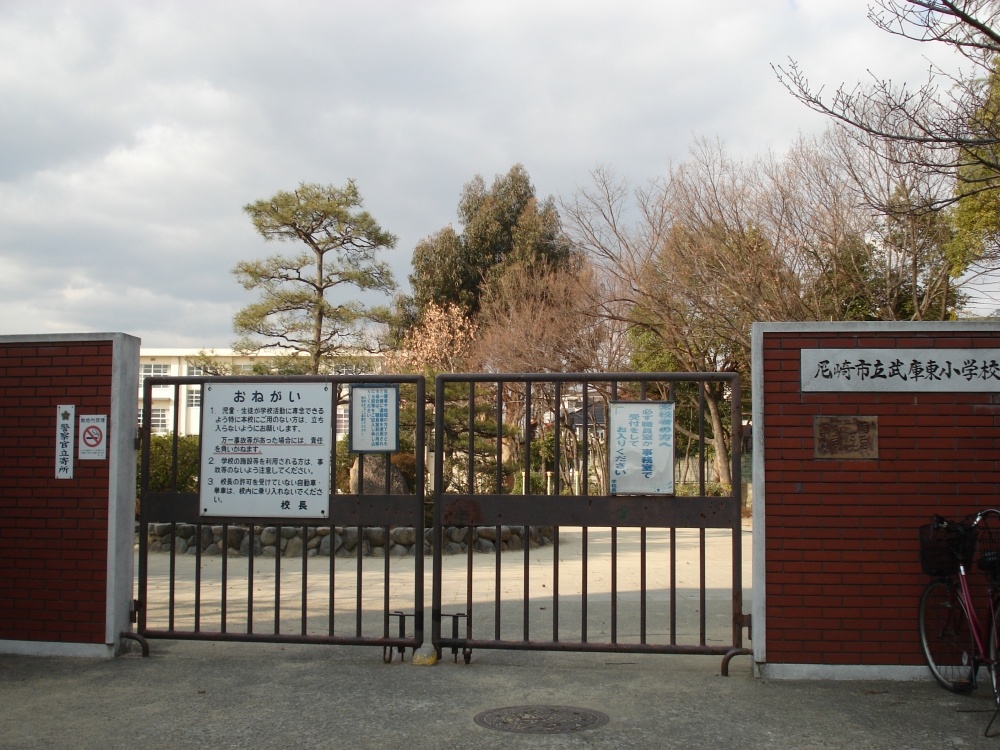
133, 133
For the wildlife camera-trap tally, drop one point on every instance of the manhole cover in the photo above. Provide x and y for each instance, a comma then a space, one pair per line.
541, 719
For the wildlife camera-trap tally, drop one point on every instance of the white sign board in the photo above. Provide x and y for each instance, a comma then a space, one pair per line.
896, 370
93, 437
265, 449
641, 448
374, 413
64, 441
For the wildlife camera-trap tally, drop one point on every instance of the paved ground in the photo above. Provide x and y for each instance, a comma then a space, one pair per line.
232, 695
210, 695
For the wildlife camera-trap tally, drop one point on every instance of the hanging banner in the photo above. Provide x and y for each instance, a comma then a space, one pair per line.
374, 416
641, 448
265, 449
64, 440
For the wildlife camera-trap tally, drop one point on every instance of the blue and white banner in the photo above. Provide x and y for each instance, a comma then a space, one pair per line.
641, 448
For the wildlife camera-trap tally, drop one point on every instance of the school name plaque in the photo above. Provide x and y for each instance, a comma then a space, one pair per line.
895, 370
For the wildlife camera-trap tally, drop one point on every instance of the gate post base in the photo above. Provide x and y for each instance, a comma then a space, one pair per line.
425, 656
729, 657
138, 638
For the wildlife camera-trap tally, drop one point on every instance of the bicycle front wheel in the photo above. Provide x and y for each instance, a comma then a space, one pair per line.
946, 637
993, 665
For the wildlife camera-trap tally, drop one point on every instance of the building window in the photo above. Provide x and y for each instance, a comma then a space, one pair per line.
194, 396
152, 370
192, 370
157, 421
343, 421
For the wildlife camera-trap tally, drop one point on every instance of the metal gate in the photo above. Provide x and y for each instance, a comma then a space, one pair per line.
531, 550
338, 579
521, 473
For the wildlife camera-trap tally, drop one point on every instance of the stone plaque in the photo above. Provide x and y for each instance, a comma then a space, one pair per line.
845, 437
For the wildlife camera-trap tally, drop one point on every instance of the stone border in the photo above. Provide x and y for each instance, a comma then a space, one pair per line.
342, 541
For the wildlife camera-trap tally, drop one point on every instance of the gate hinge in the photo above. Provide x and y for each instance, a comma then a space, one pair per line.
133, 611
138, 439
746, 621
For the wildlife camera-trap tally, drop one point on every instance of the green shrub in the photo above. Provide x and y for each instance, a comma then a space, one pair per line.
692, 489
161, 463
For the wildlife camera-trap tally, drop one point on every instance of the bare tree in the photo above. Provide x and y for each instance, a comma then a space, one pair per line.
939, 142
954, 118
443, 341
694, 259
543, 319
916, 262
670, 277
547, 320
858, 233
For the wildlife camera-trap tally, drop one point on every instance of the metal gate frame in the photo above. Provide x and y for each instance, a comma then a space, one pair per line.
472, 509
350, 510
469, 508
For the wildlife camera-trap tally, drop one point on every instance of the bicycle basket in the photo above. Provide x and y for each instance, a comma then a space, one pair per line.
989, 551
943, 549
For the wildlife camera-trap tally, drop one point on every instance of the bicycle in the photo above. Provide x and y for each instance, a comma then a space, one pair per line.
955, 639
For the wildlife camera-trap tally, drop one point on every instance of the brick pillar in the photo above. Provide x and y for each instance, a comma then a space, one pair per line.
862, 431
66, 520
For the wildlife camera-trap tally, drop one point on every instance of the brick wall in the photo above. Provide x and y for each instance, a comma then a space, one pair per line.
842, 568
53, 532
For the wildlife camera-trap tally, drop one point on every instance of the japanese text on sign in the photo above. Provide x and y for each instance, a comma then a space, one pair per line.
265, 449
64, 441
845, 436
93, 437
893, 370
641, 452
374, 416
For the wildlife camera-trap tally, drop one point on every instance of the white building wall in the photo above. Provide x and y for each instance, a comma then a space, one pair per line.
186, 408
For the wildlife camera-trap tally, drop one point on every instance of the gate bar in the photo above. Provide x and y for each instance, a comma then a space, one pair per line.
173, 507
497, 509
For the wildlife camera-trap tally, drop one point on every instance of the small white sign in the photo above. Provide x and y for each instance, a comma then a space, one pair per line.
641, 448
64, 440
93, 437
374, 419
900, 370
265, 449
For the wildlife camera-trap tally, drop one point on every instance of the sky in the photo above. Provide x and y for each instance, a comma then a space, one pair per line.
133, 133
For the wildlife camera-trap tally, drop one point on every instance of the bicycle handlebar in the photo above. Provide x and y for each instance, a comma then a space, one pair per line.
970, 521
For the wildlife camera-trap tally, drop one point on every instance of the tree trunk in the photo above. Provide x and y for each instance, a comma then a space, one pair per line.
723, 467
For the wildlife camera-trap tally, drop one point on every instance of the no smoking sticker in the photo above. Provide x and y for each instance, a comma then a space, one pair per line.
93, 437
